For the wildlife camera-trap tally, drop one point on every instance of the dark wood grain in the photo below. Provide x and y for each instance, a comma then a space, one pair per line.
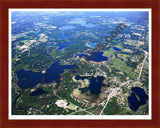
6, 4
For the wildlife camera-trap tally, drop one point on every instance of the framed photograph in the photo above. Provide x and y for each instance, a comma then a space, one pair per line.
80, 63
83, 66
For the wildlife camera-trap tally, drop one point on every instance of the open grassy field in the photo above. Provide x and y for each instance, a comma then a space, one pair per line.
122, 66
80, 113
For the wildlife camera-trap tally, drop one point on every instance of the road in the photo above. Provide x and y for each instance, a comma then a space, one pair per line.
109, 97
142, 63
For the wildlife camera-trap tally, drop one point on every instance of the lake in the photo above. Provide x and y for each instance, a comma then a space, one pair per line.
29, 79
63, 36
67, 27
95, 84
95, 57
88, 25
107, 34
61, 46
51, 44
92, 45
138, 97
64, 45
82, 22
117, 49
89, 35
134, 50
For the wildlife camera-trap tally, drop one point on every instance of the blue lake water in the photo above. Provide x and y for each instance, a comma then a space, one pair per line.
67, 27
95, 56
51, 57
135, 103
95, 85
82, 23
92, 45
29, 79
61, 46
89, 35
64, 45
134, 50
117, 49
107, 34
88, 25
39, 91
51, 44
64, 36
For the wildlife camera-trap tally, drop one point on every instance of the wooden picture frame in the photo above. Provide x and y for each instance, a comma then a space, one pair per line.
4, 39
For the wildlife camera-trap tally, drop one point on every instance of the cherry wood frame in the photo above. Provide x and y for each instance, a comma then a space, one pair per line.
4, 33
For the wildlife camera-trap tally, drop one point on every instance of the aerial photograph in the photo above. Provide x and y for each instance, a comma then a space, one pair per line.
79, 62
